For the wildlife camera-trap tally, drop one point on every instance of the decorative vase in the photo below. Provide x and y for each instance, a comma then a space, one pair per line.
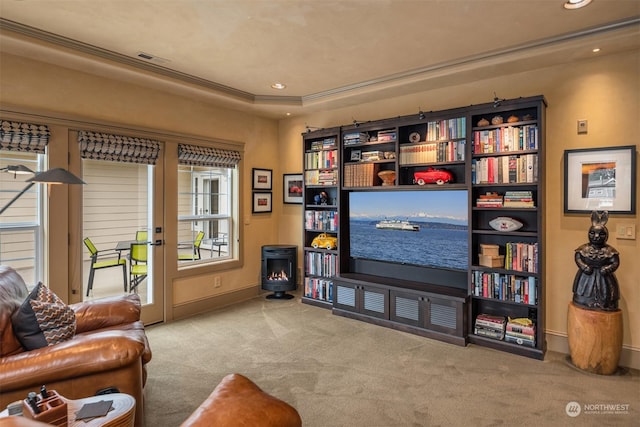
387, 177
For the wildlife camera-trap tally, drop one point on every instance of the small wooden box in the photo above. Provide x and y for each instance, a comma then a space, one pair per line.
491, 261
53, 410
489, 250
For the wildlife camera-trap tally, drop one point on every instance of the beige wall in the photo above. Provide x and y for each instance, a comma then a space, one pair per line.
606, 92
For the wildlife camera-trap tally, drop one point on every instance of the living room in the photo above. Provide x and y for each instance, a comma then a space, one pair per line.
602, 89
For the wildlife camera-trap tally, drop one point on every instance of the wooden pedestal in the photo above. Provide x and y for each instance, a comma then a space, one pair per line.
595, 339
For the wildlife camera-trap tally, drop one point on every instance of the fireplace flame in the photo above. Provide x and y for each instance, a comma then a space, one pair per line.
278, 275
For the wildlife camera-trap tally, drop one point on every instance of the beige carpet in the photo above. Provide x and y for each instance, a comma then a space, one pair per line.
342, 372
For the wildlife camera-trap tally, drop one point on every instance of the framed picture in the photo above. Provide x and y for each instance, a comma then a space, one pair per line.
292, 190
602, 179
356, 155
261, 202
262, 179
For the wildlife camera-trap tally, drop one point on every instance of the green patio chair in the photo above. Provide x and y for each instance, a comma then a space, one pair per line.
104, 259
138, 265
195, 253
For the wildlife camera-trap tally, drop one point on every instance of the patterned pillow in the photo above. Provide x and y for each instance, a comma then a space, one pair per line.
43, 319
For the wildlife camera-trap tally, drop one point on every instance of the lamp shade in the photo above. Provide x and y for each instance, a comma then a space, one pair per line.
56, 176
17, 170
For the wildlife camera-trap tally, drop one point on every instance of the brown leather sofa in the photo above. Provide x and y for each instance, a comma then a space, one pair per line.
238, 402
110, 349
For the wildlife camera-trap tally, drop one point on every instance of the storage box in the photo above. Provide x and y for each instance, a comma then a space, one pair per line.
489, 250
491, 261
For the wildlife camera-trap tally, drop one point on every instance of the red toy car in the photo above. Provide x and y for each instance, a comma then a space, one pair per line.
432, 176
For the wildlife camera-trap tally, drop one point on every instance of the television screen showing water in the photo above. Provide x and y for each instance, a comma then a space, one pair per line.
425, 228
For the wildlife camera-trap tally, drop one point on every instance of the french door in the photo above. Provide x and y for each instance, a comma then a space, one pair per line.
123, 205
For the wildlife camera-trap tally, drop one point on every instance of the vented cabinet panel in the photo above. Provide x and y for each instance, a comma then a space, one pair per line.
407, 308
443, 315
374, 301
346, 296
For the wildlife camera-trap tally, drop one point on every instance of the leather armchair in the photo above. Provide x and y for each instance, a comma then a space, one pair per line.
110, 349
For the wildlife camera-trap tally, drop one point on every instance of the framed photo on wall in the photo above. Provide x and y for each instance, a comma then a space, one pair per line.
262, 179
292, 188
261, 202
602, 179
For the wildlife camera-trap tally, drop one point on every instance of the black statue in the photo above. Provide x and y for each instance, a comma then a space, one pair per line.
595, 286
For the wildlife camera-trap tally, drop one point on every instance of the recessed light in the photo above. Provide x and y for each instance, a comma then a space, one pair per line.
575, 4
278, 86
287, 114
596, 50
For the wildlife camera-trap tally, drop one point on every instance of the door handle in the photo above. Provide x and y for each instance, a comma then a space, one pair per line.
157, 243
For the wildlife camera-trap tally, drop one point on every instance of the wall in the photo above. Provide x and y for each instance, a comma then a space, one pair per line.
38, 87
604, 90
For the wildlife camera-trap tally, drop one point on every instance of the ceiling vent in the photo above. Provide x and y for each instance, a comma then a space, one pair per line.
151, 58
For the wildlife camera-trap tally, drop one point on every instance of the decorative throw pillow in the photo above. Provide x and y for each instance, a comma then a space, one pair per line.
43, 319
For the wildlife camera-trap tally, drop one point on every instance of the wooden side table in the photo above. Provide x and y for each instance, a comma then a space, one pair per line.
122, 413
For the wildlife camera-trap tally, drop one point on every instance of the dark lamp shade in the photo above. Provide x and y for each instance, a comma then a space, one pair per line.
56, 176
18, 170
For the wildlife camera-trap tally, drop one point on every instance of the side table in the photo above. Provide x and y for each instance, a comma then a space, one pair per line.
122, 413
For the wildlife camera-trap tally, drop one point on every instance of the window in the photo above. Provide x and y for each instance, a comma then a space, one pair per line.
207, 205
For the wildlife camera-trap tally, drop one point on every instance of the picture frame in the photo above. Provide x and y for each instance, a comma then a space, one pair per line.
602, 179
356, 155
262, 202
262, 179
292, 188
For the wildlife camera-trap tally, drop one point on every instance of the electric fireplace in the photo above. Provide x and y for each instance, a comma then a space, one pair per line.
279, 264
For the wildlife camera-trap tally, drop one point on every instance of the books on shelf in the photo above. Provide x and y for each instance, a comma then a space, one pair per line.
360, 174
355, 138
321, 264
432, 152
446, 129
521, 331
323, 144
520, 256
320, 289
490, 326
519, 199
504, 139
321, 220
321, 159
489, 200
505, 169
321, 177
386, 135
505, 287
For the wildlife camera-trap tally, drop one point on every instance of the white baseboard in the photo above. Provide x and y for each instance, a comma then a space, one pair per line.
629, 357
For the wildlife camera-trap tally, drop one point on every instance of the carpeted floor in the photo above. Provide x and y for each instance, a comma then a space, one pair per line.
341, 372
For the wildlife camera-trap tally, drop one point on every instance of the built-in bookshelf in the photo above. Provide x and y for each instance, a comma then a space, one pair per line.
490, 156
320, 207
507, 229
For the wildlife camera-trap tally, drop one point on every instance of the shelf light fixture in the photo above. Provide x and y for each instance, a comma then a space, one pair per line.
497, 101
575, 4
52, 176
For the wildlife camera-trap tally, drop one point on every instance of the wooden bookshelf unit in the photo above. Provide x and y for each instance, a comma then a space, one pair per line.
473, 277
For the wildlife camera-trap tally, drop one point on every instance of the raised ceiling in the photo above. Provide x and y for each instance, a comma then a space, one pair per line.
327, 53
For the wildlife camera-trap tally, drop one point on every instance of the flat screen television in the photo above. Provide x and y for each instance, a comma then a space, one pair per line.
420, 236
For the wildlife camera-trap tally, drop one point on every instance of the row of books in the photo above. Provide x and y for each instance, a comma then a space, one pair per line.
446, 129
321, 177
519, 199
385, 136
432, 152
518, 331
360, 174
320, 289
321, 220
505, 169
489, 200
520, 256
505, 139
321, 264
321, 159
504, 287
323, 144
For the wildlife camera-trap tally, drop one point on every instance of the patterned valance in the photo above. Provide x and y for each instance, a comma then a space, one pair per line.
207, 156
118, 148
16, 136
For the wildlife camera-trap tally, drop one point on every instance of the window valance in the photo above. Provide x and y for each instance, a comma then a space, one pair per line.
207, 156
118, 148
17, 136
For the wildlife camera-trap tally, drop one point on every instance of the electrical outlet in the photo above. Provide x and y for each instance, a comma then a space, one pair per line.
216, 282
